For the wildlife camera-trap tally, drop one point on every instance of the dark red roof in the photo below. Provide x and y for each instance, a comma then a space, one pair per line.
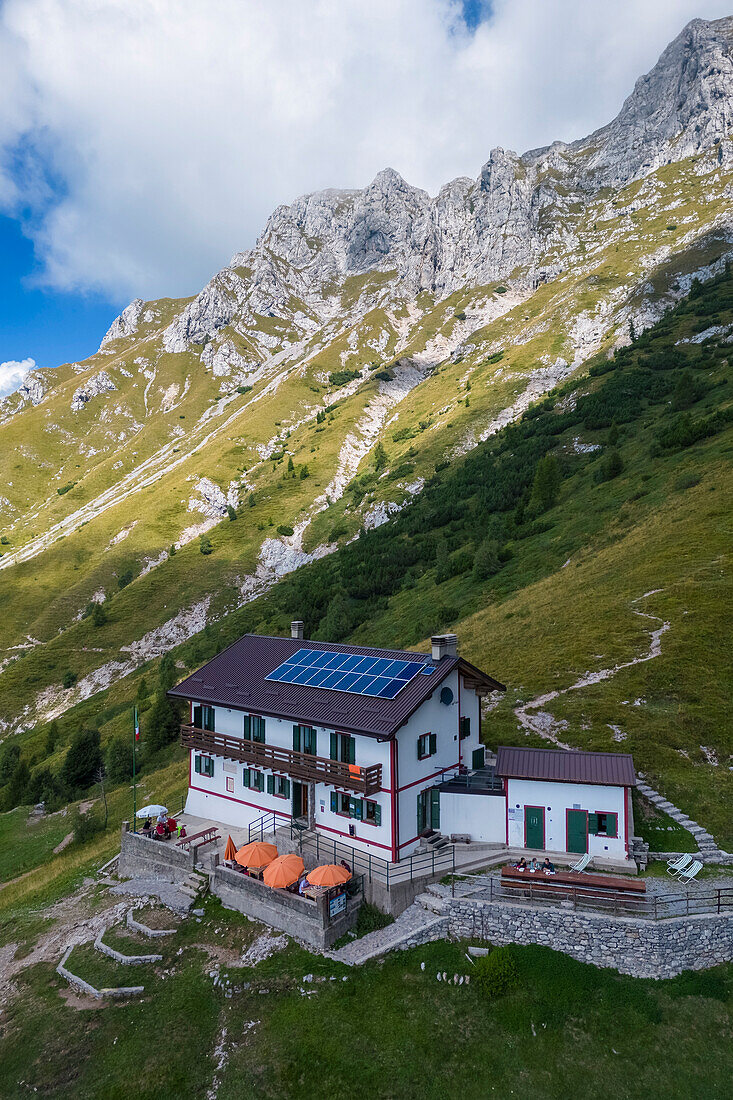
611, 769
236, 679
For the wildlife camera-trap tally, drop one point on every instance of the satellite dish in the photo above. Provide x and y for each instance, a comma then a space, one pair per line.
446, 696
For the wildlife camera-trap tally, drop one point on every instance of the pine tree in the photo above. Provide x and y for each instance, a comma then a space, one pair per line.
119, 758
380, 456
167, 673
161, 724
99, 615
231, 512
52, 737
83, 758
337, 621
632, 331
546, 484
304, 472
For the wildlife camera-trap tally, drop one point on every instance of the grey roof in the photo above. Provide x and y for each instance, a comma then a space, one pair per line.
236, 678
611, 769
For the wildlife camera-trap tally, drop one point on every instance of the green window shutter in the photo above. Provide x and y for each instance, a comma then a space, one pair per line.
419, 748
435, 809
247, 728
210, 767
377, 814
334, 746
271, 784
592, 823
420, 822
433, 744
612, 825
356, 808
334, 802
296, 738
477, 758
260, 781
352, 750
287, 788
245, 777
197, 764
197, 719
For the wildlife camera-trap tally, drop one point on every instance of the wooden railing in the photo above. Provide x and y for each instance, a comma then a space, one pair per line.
300, 765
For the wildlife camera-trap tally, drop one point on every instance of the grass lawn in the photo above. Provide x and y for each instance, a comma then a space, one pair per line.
661, 832
390, 1030
26, 841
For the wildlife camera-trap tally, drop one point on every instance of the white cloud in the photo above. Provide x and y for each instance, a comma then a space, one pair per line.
165, 131
12, 373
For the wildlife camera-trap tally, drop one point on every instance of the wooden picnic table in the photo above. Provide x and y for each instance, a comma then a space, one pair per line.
567, 881
205, 836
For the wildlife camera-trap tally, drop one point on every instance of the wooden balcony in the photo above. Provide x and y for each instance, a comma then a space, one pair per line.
299, 765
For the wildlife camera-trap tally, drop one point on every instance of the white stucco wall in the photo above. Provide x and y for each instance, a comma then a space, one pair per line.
482, 817
556, 798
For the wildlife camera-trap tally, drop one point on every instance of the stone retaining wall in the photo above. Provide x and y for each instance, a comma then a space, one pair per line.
305, 920
141, 856
642, 948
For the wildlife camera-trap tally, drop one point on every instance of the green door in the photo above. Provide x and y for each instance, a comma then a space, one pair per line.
577, 838
534, 827
435, 808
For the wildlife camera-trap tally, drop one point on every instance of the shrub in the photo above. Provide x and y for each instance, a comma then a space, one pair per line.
304, 472
205, 545
285, 529
460, 316
161, 723
486, 562
86, 826
611, 466
65, 488
687, 481
243, 389
252, 500
276, 456
496, 974
99, 615
68, 679
125, 578
343, 377
5, 541
501, 290
231, 512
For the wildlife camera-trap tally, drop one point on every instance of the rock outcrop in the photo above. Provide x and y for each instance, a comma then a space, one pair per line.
474, 232
93, 387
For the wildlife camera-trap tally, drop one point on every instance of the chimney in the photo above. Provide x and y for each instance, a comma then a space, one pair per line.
296, 629
444, 645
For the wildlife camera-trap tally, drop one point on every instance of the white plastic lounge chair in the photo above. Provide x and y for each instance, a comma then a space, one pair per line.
687, 874
678, 864
582, 863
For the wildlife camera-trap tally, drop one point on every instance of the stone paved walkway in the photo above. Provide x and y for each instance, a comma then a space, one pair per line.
709, 851
414, 922
167, 892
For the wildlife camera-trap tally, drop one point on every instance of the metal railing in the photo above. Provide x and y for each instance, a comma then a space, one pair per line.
441, 861
266, 825
646, 906
300, 765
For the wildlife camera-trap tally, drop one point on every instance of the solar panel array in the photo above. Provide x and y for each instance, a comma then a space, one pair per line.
379, 676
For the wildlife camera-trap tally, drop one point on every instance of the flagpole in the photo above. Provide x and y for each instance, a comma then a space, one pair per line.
134, 782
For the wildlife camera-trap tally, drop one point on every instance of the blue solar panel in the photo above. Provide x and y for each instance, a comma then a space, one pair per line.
382, 677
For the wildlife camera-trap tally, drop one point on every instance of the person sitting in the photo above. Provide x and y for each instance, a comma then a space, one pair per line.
521, 865
345, 865
548, 867
534, 865
302, 885
147, 823
160, 831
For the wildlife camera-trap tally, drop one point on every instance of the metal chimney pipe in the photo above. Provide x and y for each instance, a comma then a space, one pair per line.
296, 629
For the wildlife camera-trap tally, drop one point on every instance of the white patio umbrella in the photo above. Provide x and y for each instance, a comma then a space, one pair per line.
151, 811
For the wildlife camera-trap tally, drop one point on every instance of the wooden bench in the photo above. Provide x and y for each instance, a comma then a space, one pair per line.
571, 884
206, 836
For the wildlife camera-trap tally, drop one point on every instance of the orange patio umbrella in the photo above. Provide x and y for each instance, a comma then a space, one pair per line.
256, 854
329, 875
231, 849
284, 870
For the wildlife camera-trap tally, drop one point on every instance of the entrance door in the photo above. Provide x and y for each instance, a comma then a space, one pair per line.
577, 831
534, 827
428, 810
300, 800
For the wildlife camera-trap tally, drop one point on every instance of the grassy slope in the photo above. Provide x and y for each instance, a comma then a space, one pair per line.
567, 1029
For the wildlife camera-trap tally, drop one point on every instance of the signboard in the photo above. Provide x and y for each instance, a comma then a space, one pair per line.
515, 815
336, 905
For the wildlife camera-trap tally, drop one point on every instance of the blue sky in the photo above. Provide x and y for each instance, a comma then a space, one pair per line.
122, 177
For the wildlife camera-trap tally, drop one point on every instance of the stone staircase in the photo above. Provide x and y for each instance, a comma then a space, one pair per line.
709, 850
195, 886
